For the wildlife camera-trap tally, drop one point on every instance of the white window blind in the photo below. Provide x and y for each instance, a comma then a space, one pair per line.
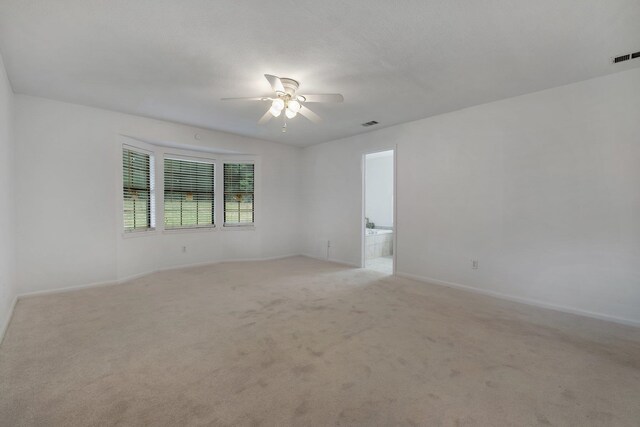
188, 193
238, 194
137, 190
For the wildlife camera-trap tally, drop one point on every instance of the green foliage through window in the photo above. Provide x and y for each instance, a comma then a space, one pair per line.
136, 189
239, 193
188, 194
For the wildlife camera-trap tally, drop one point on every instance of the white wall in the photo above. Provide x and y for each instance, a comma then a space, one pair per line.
67, 190
7, 249
379, 189
542, 189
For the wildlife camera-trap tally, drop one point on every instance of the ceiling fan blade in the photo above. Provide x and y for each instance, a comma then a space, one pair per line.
275, 83
255, 98
325, 97
305, 112
264, 119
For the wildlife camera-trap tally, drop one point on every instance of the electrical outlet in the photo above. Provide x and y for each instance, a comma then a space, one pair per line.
328, 243
184, 249
474, 264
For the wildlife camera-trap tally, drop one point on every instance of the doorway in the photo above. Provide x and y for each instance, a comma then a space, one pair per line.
378, 228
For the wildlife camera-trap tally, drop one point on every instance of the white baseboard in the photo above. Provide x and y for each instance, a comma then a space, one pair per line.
75, 287
139, 275
7, 320
527, 301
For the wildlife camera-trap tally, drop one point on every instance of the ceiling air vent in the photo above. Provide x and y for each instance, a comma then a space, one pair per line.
371, 123
626, 57
621, 58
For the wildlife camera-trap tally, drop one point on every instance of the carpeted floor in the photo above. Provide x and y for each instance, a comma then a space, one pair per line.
308, 343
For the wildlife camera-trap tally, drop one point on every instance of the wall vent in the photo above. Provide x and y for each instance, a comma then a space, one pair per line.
635, 55
371, 123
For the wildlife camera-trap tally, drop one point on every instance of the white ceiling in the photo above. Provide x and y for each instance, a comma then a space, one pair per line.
394, 61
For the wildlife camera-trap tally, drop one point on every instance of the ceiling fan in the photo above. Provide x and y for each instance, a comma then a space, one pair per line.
286, 99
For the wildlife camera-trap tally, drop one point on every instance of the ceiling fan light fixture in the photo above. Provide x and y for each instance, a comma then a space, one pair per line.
277, 104
290, 113
294, 106
274, 111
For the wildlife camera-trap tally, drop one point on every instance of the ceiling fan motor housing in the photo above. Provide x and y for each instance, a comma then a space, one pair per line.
290, 86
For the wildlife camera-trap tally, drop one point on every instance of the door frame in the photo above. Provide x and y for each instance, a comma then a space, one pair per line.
363, 230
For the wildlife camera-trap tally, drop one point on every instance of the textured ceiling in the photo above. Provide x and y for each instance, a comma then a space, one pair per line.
393, 61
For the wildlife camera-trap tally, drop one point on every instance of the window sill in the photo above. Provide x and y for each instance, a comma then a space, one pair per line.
239, 228
139, 233
189, 230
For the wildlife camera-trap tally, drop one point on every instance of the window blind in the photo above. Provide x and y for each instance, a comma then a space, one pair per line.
188, 193
136, 190
238, 194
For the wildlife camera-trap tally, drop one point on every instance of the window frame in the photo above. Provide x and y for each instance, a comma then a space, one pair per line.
248, 225
158, 152
152, 228
196, 157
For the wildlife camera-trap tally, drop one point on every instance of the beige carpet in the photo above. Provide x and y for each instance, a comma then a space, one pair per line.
307, 343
